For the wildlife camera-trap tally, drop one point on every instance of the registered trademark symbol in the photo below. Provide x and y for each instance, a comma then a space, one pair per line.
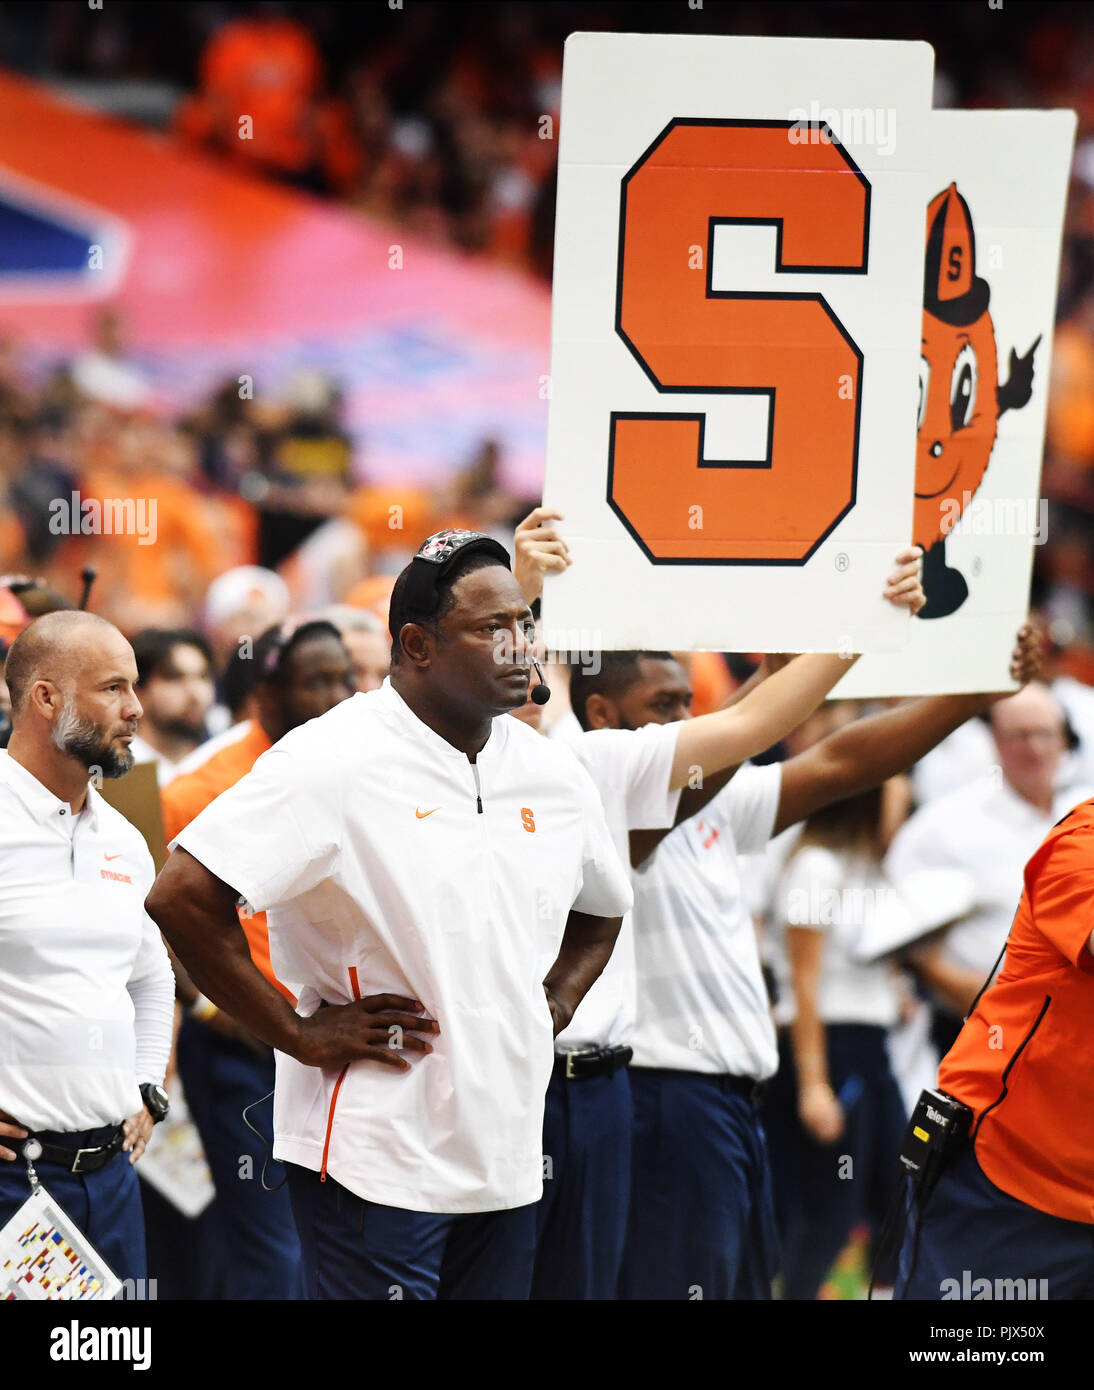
843, 560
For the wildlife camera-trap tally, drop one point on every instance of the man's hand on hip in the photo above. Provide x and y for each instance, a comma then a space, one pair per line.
376, 1029
9, 1128
138, 1131
561, 1013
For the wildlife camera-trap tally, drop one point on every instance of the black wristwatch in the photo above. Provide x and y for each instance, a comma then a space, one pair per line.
156, 1101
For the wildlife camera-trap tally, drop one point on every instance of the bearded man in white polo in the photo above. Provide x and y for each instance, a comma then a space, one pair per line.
86, 990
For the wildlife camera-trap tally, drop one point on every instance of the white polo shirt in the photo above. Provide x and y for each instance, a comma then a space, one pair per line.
970, 752
989, 830
360, 835
631, 769
702, 1002
86, 988
834, 892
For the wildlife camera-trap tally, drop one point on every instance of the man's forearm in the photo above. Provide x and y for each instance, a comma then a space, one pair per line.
747, 686
197, 914
586, 947
186, 992
807, 1035
695, 799
867, 753
874, 749
768, 713
805, 947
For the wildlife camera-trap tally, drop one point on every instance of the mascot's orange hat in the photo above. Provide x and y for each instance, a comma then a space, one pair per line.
952, 290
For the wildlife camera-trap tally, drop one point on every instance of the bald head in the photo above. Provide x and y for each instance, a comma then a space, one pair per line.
71, 676
54, 648
1031, 736
1032, 708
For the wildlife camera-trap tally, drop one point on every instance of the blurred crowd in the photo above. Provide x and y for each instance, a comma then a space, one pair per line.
443, 117
267, 482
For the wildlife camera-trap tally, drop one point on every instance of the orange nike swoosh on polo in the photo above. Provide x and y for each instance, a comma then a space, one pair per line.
111, 856
422, 814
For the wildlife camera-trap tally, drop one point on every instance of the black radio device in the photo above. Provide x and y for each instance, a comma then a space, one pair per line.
939, 1125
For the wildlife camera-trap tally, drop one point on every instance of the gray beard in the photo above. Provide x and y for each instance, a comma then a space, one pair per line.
83, 739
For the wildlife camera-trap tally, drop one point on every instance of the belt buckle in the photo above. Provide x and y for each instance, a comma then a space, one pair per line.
581, 1054
76, 1167
98, 1151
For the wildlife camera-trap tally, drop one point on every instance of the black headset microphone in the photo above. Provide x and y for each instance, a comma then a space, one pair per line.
88, 575
542, 693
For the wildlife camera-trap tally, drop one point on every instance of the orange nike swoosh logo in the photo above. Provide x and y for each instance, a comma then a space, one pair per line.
422, 814
108, 857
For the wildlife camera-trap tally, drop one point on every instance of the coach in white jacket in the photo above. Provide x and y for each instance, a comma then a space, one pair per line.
444, 882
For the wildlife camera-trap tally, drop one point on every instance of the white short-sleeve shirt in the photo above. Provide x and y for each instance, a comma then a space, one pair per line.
73, 936
360, 835
830, 891
702, 1001
632, 769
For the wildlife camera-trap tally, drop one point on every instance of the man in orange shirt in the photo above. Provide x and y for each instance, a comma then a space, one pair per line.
300, 673
1012, 1215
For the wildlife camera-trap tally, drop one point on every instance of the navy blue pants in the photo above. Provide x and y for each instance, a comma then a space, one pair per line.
357, 1249
823, 1190
582, 1217
183, 1252
702, 1218
105, 1205
259, 1249
970, 1231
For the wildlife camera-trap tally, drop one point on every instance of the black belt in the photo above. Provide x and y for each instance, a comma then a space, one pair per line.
753, 1091
592, 1061
78, 1160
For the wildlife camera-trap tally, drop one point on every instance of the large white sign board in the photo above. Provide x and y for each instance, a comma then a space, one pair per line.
998, 188
737, 305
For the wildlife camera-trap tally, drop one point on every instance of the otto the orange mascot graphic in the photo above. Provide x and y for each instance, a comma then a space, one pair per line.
960, 398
